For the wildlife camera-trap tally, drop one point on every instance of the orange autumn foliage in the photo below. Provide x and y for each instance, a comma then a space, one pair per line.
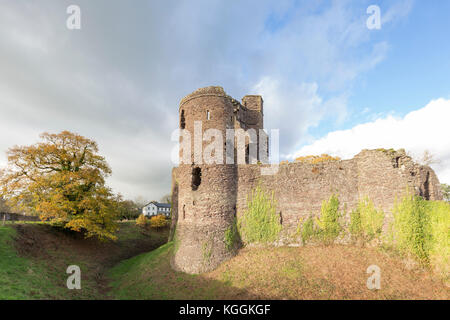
317, 159
142, 221
158, 221
62, 179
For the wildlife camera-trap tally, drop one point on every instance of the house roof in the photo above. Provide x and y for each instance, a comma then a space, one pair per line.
159, 205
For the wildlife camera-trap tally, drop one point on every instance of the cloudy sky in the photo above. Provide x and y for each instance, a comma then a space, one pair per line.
329, 83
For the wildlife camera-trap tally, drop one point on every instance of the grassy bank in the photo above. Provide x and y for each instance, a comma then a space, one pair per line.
34, 258
319, 272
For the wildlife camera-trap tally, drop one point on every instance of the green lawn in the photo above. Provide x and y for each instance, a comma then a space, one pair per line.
149, 276
24, 278
33, 264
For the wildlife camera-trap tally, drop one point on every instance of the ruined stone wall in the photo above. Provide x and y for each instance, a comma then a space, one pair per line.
384, 175
207, 197
300, 188
254, 116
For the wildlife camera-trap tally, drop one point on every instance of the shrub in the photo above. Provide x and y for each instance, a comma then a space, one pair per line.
355, 227
158, 222
366, 222
317, 159
412, 227
440, 236
260, 223
329, 222
308, 231
445, 192
142, 221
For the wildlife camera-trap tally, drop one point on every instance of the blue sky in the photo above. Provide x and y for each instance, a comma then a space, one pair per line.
415, 70
322, 74
417, 65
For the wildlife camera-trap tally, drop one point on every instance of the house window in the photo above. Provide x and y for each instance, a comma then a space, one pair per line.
208, 115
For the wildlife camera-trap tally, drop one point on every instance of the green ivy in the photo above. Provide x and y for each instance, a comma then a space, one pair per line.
308, 231
231, 236
412, 227
329, 222
259, 223
366, 222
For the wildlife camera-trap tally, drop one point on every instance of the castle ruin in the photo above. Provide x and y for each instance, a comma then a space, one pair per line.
207, 197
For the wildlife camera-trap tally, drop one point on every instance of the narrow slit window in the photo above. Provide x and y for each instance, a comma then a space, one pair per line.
182, 120
208, 115
247, 154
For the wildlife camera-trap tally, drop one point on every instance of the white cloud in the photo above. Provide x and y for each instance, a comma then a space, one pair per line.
292, 107
397, 11
295, 108
420, 130
119, 79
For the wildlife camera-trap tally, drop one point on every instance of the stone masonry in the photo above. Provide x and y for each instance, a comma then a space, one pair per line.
208, 197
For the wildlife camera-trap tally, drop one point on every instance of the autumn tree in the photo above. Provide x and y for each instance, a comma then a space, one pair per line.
140, 201
142, 221
4, 208
127, 209
426, 158
158, 222
445, 191
62, 179
166, 199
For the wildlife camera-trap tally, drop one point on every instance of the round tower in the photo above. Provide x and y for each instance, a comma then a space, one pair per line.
206, 192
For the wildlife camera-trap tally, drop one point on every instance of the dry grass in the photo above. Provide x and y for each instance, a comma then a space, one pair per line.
326, 272
319, 272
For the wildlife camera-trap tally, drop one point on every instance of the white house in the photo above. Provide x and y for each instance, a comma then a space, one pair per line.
154, 208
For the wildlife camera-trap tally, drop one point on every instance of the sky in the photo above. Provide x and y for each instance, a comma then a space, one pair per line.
329, 83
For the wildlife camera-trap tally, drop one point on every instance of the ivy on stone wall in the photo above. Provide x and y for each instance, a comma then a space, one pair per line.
260, 223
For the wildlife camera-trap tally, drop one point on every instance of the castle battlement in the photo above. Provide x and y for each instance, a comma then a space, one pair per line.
207, 91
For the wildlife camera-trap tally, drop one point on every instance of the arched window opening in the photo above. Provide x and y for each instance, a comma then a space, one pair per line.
208, 115
196, 178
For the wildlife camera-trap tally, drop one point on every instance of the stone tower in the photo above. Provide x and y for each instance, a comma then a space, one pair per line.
206, 192
207, 196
